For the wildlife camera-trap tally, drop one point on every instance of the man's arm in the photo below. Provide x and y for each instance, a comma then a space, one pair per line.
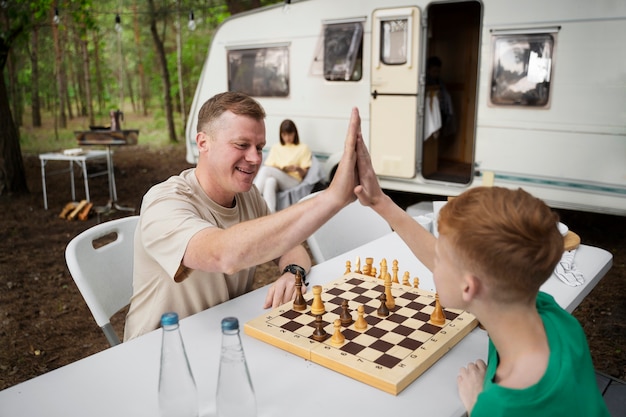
260, 240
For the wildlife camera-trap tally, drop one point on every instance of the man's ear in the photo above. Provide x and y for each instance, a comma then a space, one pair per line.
202, 140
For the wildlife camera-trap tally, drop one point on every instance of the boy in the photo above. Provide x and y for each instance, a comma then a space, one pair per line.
496, 247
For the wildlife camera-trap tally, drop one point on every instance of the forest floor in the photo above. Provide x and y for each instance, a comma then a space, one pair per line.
46, 324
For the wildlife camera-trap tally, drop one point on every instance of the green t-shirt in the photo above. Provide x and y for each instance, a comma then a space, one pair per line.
568, 388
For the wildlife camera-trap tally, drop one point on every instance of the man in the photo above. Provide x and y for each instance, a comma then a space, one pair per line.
202, 233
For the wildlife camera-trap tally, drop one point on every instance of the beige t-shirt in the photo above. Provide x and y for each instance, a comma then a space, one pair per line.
171, 213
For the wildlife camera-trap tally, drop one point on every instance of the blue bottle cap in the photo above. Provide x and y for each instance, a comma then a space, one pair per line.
168, 319
230, 323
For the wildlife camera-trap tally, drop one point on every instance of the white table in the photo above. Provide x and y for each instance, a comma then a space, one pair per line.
122, 380
81, 161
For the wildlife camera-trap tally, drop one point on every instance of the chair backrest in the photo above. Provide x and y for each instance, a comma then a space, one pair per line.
351, 227
291, 196
100, 260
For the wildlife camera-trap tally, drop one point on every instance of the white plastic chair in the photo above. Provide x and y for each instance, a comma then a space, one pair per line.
351, 227
104, 274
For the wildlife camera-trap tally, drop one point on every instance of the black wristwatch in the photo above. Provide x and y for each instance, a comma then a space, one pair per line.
293, 268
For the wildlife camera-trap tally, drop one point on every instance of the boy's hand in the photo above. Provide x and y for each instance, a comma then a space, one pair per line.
470, 383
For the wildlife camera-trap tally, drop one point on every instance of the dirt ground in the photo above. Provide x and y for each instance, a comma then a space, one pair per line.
45, 323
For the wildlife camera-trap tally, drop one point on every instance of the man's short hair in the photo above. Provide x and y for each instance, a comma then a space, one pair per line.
237, 103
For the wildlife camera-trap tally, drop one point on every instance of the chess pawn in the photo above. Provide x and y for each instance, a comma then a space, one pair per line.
338, 338
361, 323
383, 311
345, 316
319, 333
416, 282
348, 268
438, 317
405, 279
317, 308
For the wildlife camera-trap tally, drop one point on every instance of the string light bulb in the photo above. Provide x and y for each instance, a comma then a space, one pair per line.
56, 19
287, 6
192, 22
118, 23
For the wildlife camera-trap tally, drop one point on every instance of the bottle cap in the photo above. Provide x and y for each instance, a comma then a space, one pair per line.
168, 319
230, 323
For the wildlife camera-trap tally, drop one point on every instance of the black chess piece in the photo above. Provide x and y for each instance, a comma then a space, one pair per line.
383, 311
319, 333
345, 316
299, 304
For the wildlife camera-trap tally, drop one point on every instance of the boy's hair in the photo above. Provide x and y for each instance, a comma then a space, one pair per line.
508, 238
237, 103
288, 126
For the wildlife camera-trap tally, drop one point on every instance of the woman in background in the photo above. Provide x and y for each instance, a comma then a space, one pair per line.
286, 165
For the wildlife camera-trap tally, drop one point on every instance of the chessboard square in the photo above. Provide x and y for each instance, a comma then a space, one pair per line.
357, 290
292, 326
375, 332
410, 344
396, 318
350, 334
386, 325
364, 340
371, 319
393, 338
291, 314
388, 361
450, 315
361, 299
430, 328
421, 316
369, 354
355, 281
371, 295
352, 348
415, 306
335, 291
404, 311
420, 336
402, 330
334, 302
413, 323
425, 299
408, 295
400, 351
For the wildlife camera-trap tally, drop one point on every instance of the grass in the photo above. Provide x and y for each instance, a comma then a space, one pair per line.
48, 138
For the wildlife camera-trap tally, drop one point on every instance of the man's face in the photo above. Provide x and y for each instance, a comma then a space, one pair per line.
232, 156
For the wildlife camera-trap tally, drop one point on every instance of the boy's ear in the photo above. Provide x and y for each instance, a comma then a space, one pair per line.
472, 286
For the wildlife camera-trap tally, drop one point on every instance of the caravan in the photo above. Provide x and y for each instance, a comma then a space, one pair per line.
452, 94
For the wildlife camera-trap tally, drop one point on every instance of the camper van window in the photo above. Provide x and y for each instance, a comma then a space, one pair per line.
522, 66
343, 51
394, 41
259, 72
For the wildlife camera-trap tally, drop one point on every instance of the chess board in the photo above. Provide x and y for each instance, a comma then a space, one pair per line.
390, 354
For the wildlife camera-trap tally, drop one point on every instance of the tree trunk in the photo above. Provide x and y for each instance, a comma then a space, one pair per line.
34, 79
12, 172
58, 67
142, 77
169, 108
87, 79
99, 82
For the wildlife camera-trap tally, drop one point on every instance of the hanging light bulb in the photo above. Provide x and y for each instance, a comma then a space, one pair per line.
118, 23
287, 6
56, 19
192, 23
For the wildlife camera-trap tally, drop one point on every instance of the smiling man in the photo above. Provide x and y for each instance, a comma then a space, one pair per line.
202, 233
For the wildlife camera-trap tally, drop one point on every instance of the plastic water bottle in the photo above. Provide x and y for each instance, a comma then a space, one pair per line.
178, 395
235, 394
